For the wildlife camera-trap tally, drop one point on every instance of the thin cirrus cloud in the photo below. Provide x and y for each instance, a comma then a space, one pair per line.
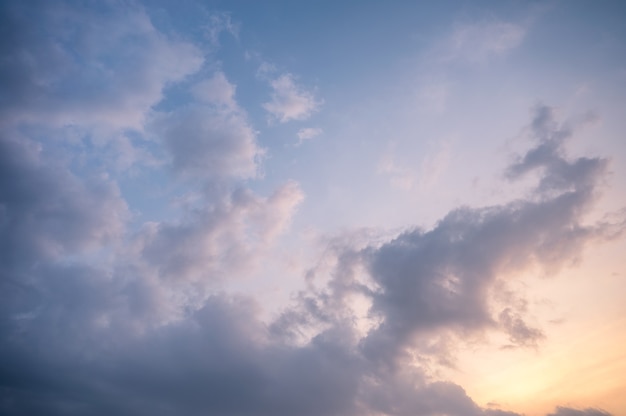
105, 309
481, 41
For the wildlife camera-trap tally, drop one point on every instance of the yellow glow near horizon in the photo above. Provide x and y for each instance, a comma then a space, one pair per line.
583, 359
574, 373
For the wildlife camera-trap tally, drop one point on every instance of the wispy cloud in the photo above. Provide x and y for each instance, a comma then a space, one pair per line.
308, 133
478, 42
426, 176
289, 101
218, 23
400, 177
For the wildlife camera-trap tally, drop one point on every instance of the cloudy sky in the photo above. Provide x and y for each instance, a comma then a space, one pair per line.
290, 208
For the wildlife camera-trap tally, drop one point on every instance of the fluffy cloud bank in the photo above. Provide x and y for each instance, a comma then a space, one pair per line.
107, 353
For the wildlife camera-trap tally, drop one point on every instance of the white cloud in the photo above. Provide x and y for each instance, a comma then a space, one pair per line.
216, 90
308, 133
290, 101
220, 22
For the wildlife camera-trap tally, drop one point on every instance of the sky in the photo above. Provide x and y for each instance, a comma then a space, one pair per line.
230, 208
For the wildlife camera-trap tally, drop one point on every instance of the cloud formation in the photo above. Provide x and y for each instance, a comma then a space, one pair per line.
441, 278
220, 239
66, 77
209, 144
568, 411
47, 212
103, 312
308, 133
289, 101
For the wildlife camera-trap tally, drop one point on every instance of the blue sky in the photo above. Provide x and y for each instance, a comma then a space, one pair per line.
326, 208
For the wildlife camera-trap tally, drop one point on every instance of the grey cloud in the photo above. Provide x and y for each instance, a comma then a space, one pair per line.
408, 394
46, 211
568, 411
559, 174
96, 322
210, 145
219, 240
519, 332
57, 65
441, 278
498, 412
219, 360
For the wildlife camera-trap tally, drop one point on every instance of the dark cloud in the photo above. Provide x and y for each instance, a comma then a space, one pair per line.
122, 337
46, 211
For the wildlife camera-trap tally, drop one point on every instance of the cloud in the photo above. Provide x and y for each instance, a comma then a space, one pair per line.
433, 166
479, 42
520, 333
100, 317
439, 279
220, 22
217, 91
404, 177
145, 331
290, 101
211, 138
218, 241
68, 65
209, 145
308, 133
47, 212
568, 411
400, 177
